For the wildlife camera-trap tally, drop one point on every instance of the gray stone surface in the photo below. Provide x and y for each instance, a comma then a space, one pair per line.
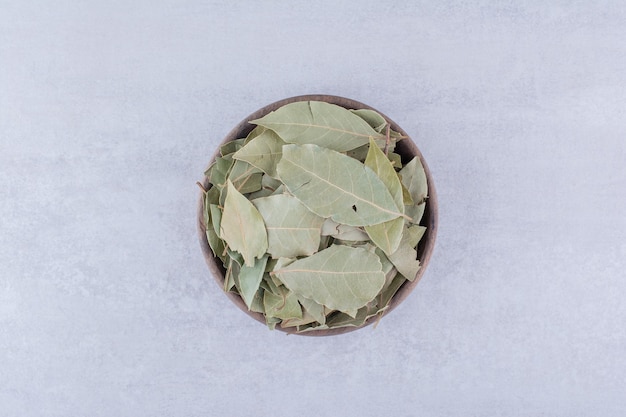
110, 110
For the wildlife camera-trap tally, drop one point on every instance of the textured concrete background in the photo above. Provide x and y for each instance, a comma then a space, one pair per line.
110, 110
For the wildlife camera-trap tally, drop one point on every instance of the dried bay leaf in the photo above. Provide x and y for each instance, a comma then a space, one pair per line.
245, 177
319, 123
215, 243
283, 305
258, 130
343, 232
359, 153
414, 179
306, 319
386, 235
257, 302
269, 186
334, 185
232, 269
406, 196
311, 328
374, 119
340, 277
231, 147
405, 258
218, 171
242, 226
395, 159
377, 161
390, 289
313, 308
263, 152
249, 279
292, 229
216, 218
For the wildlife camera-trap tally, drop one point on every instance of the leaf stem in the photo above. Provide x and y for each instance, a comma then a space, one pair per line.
387, 139
199, 184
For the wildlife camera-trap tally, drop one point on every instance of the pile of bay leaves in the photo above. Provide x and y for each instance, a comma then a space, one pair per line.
315, 217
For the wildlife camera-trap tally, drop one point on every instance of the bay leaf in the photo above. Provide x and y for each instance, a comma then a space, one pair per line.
216, 217
270, 183
313, 308
319, 123
263, 192
280, 190
416, 212
414, 179
306, 319
231, 270
283, 305
245, 177
325, 241
340, 319
359, 153
242, 226
386, 235
311, 327
378, 162
263, 152
389, 291
384, 261
257, 302
340, 277
406, 196
292, 229
334, 185
269, 186
343, 232
271, 321
405, 258
249, 279
215, 243
231, 146
271, 263
218, 171
395, 159
258, 130
235, 256
373, 118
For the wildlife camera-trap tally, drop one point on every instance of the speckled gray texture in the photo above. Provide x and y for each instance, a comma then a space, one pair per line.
109, 112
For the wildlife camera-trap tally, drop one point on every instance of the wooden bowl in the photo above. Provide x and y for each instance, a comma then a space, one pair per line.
406, 148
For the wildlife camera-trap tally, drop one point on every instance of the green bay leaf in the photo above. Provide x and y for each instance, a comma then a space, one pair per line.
249, 279
292, 229
386, 235
343, 232
320, 123
245, 177
216, 218
340, 277
334, 185
215, 243
283, 304
414, 179
242, 226
373, 118
263, 152
405, 257
231, 146
218, 171
313, 308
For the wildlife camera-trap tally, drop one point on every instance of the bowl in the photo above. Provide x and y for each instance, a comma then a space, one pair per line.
406, 148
